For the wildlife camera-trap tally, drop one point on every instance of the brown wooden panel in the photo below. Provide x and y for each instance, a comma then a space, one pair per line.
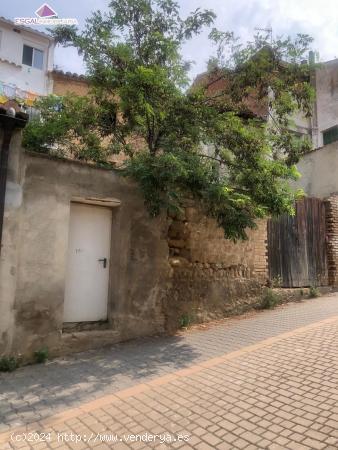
297, 246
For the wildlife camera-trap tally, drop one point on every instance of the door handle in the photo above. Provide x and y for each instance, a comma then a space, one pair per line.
104, 260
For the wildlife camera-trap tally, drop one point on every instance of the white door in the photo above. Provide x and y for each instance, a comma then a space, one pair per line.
87, 278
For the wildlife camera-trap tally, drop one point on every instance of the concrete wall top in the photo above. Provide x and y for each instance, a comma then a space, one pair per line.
319, 172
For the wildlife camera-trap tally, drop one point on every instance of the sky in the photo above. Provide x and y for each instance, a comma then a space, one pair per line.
286, 17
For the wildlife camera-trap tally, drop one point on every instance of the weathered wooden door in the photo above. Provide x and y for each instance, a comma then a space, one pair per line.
297, 246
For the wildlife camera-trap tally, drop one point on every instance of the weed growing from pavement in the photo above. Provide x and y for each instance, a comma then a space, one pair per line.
41, 355
313, 292
269, 299
8, 363
185, 321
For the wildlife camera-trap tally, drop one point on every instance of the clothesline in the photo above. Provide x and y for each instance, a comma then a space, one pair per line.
10, 92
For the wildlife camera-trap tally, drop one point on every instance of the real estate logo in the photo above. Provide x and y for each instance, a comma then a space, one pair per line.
46, 11
45, 15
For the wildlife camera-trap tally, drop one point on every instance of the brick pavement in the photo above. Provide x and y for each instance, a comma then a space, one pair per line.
281, 393
160, 356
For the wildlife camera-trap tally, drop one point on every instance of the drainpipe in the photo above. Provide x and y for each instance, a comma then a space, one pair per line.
9, 121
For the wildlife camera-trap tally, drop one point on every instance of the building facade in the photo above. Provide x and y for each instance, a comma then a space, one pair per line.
325, 117
322, 127
26, 59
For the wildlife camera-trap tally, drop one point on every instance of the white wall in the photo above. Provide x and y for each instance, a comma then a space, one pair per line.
326, 106
319, 171
14, 72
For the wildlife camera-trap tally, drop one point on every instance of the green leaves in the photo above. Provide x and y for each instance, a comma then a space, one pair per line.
194, 23
67, 126
227, 142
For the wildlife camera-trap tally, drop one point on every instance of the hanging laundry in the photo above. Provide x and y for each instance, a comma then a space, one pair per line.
31, 97
10, 92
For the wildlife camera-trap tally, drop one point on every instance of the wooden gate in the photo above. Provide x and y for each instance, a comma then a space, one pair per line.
297, 246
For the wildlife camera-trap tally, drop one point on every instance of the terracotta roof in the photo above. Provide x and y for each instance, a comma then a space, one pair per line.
24, 28
73, 76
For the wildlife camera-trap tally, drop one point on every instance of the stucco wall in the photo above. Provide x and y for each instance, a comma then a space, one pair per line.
10, 246
161, 269
318, 171
33, 257
13, 72
327, 97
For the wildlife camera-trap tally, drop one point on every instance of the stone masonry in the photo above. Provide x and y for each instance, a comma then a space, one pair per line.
212, 276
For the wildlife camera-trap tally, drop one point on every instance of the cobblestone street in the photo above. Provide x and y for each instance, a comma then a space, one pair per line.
266, 380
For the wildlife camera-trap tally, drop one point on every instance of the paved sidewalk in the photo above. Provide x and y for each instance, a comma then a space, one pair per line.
281, 393
35, 392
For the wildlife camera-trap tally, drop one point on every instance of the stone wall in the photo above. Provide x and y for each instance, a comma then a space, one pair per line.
161, 269
212, 276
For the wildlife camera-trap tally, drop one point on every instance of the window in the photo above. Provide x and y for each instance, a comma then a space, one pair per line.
330, 135
32, 57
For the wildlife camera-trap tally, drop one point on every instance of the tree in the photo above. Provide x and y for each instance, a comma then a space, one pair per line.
139, 80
